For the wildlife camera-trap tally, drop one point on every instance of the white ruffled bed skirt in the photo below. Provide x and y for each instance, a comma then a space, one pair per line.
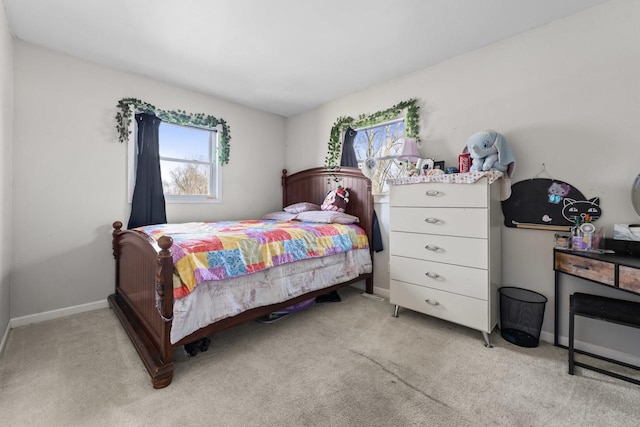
215, 300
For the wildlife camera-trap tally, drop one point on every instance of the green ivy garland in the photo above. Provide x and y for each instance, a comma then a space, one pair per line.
179, 117
412, 127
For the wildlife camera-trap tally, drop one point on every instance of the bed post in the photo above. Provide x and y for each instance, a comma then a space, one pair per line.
164, 303
284, 186
117, 228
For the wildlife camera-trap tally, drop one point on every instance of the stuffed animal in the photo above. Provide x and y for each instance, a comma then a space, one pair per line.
489, 151
336, 200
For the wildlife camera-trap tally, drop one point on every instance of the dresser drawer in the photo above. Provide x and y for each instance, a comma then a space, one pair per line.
436, 194
472, 282
449, 249
629, 278
464, 222
460, 309
587, 268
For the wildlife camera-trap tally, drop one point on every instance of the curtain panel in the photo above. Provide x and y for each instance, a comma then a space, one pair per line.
148, 204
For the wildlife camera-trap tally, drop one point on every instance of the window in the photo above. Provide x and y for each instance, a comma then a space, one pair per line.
188, 164
382, 142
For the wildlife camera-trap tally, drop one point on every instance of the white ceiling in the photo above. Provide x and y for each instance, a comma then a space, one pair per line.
282, 56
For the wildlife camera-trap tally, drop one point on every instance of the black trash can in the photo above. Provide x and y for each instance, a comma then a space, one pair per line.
521, 315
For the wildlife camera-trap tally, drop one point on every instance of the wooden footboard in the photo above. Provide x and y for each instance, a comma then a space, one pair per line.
143, 298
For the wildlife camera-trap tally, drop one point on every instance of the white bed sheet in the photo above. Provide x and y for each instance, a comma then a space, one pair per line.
215, 300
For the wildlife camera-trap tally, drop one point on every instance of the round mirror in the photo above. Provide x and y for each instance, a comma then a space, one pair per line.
635, 194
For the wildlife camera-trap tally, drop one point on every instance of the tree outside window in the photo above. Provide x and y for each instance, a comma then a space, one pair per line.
189, 163
382, 142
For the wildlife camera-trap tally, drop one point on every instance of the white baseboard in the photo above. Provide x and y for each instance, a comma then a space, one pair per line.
384, 293
594, 349
56, 314
546, 337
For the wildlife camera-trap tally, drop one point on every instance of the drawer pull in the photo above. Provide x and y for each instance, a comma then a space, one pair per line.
432, 302
581, 267
433, 248
431, 220
432, 275
432, 193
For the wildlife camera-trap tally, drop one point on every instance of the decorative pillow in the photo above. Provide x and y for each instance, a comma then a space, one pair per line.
279, 216
302, 207
327, 217
336, 200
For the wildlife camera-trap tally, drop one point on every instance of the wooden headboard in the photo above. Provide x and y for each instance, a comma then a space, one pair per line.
312, 185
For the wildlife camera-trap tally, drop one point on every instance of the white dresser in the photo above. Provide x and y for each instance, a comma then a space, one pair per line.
445, 258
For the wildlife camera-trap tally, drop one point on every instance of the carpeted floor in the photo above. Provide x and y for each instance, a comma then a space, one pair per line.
349, 363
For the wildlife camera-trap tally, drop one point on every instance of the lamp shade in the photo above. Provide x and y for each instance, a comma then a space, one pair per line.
409, 150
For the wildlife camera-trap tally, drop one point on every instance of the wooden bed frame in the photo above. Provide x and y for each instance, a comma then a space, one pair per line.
143, 298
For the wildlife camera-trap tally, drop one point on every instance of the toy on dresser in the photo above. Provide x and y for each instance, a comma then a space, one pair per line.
489, 151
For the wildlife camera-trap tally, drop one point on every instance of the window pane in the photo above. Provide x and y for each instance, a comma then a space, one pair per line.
180, 178
381, 142
181, 142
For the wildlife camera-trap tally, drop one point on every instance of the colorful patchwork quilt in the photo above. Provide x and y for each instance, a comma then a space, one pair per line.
220, 250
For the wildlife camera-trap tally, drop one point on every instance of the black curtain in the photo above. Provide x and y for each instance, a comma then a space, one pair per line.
349, 159
147, 206
348, 152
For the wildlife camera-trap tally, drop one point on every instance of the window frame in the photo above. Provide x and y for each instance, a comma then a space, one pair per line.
215, 176
407, 109
388, 157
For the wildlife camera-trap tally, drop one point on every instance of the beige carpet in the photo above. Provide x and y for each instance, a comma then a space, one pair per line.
336, 364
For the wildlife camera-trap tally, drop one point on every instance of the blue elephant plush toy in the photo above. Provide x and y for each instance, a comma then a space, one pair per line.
489, 151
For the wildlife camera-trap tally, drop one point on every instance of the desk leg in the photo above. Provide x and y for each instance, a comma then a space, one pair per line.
556, 309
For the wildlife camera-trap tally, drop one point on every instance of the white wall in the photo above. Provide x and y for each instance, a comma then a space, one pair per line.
70, 173
566, 95
6, 136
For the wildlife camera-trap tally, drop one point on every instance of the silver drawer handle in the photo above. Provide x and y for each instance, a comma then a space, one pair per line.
432, 275
433, 303
433, 248
432, 193
431, 220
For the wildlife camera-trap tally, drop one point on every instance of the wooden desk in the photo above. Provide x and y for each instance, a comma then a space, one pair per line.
616, 271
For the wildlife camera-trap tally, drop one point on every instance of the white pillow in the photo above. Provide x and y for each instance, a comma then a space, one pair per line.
327, 217
302, 207
279, 216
